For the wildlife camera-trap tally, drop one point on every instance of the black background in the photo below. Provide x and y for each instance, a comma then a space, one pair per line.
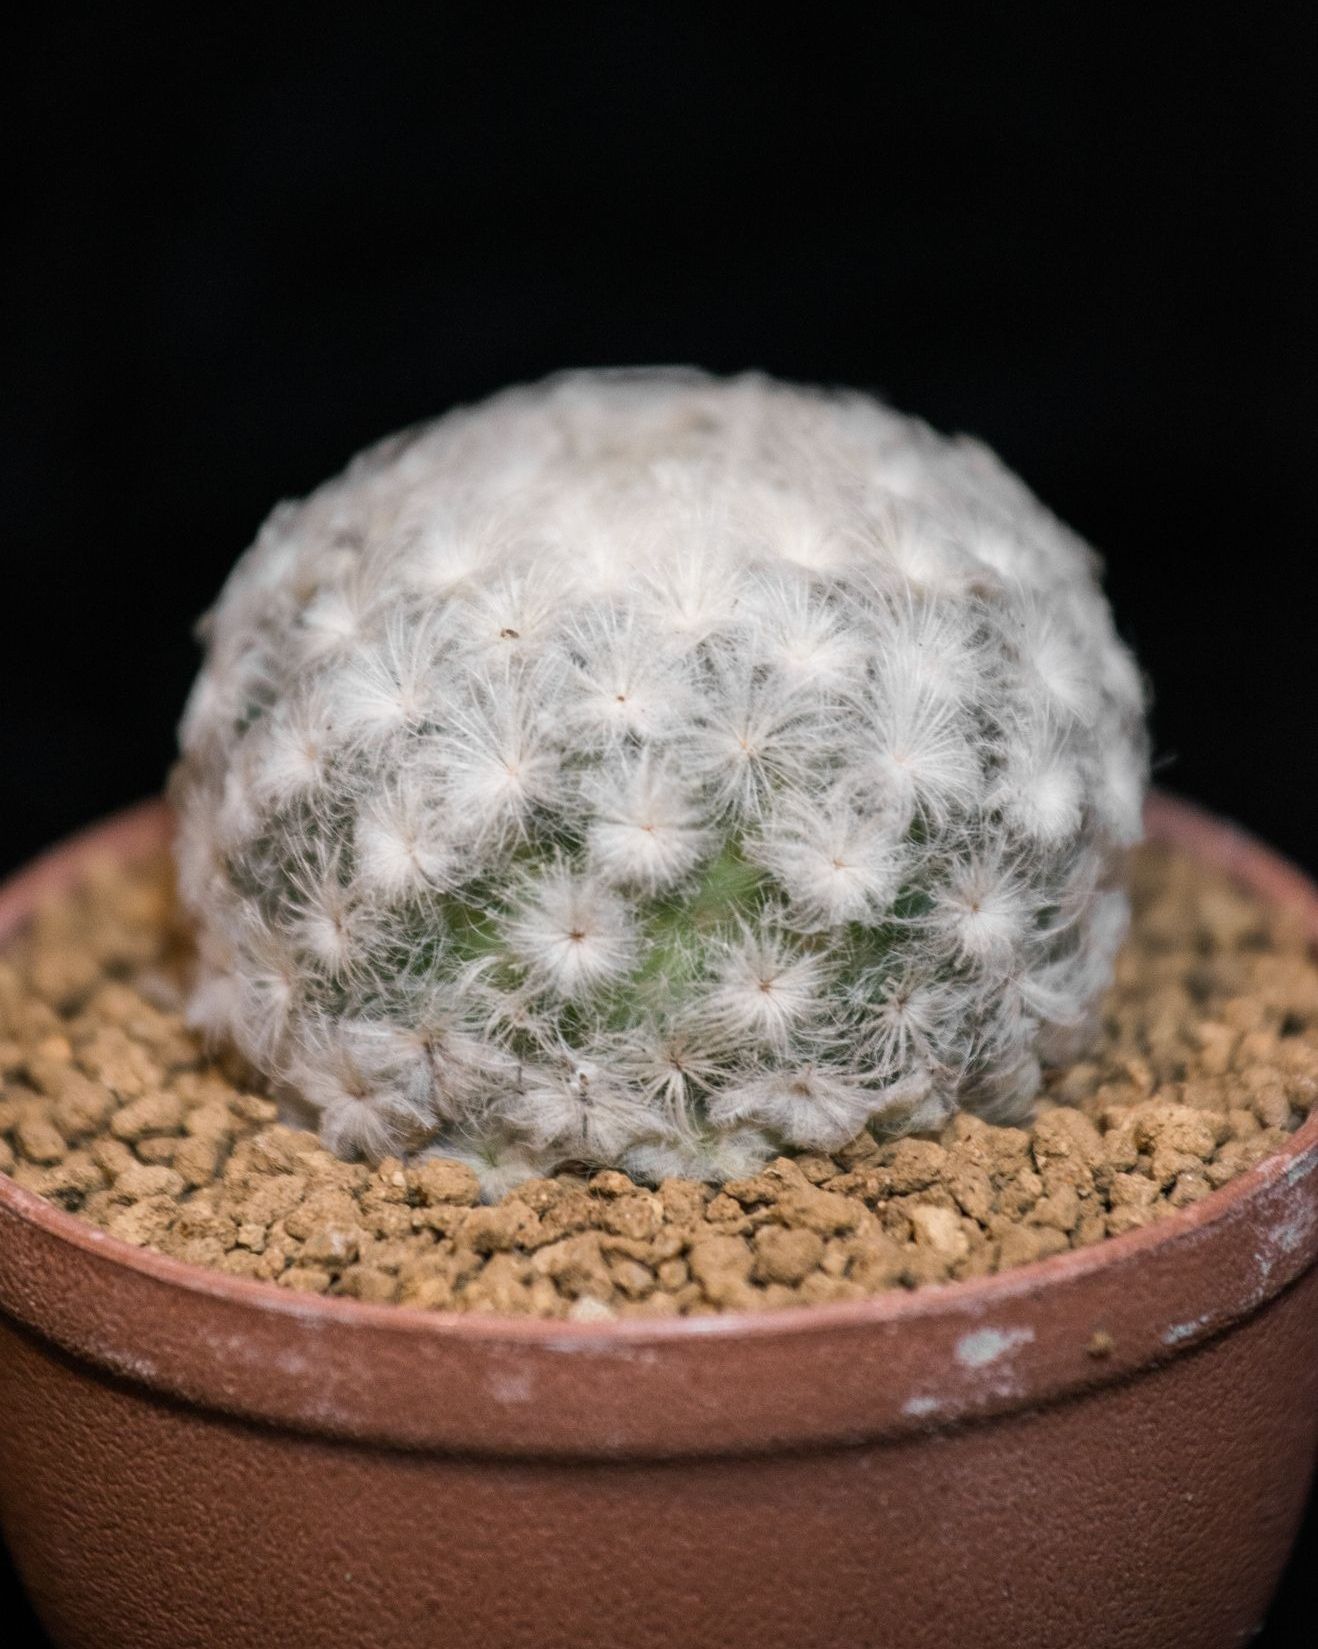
241, 248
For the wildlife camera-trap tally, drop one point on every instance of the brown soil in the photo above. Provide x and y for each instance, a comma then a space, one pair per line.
112, 1110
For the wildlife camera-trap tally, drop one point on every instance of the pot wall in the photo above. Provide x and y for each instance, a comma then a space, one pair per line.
187, 1459
1157, 1511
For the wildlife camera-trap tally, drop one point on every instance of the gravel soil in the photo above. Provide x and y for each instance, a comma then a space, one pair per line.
113, 1110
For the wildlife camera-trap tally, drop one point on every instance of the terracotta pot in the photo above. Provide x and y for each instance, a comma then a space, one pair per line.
192, 1459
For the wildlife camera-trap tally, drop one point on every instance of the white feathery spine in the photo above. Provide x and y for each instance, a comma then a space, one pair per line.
649, 769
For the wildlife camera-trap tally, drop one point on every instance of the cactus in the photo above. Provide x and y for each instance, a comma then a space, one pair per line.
659, 771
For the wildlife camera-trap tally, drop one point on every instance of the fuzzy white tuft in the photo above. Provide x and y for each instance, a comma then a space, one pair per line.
647, 831
570, 934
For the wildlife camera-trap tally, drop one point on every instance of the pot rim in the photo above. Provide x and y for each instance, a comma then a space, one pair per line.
1265, 1222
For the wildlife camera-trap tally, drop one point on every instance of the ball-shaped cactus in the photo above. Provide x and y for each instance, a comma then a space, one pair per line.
655, 770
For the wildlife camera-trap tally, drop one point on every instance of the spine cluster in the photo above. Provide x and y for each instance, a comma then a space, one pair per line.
656, 770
